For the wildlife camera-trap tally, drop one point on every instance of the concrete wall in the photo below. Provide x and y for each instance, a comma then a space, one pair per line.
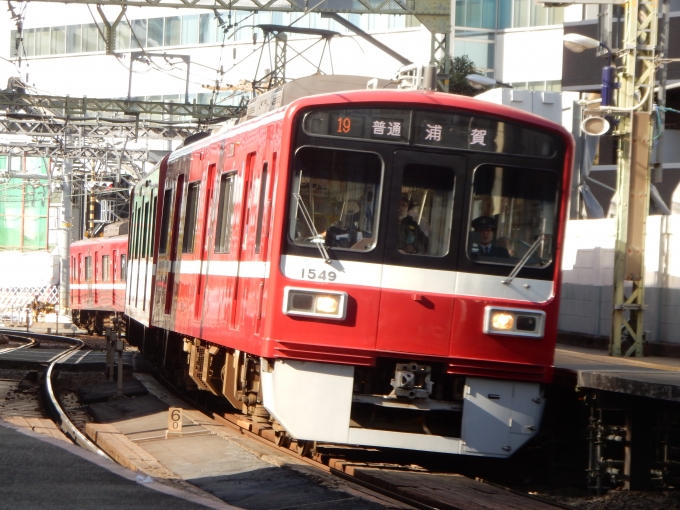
588, 270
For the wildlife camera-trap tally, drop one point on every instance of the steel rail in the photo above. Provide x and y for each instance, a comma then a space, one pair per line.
31, 343
64, 423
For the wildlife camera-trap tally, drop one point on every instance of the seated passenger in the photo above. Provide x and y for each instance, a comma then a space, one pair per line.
485, 226
410, 238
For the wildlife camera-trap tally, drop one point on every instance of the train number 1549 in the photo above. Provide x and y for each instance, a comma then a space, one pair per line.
313, 274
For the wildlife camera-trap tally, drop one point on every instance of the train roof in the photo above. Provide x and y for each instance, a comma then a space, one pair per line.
368, 97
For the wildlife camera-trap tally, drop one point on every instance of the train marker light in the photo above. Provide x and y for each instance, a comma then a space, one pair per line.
514, 321
314, 303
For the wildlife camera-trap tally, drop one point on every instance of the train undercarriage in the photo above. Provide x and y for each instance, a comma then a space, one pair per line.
96, 321
396, 404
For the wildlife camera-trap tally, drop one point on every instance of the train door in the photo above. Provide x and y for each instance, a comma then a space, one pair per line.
220, 284
425, 212
174, 241
114, 276
262, 231
96, 277
204, 249
241, 244
136, 263
79, 276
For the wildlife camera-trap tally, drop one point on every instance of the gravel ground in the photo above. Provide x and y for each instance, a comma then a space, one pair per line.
621, 500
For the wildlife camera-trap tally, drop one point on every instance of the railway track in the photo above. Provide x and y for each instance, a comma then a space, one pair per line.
49, 404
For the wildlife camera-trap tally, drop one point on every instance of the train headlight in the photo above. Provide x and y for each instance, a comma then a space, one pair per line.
514, 321
502, 321
315, 303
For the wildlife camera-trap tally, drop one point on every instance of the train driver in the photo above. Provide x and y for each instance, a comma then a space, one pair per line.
485, 227
410, 237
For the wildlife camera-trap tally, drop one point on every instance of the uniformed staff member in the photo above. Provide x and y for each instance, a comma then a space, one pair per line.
486, 227
410, 238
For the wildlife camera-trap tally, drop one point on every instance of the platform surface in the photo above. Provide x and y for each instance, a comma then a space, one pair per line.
43, 472
651, 377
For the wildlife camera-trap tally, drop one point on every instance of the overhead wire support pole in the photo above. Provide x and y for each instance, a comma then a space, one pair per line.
636, 76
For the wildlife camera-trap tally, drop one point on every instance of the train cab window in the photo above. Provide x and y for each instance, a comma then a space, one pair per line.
88, 268
225, 210
513, 216
425, 210
336, 198
106, 266
190, 218
123, 267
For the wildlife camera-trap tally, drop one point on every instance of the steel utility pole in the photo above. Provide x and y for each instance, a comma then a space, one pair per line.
635, 99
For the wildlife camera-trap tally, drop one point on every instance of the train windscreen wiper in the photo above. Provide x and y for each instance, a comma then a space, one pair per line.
524, 259
316, 238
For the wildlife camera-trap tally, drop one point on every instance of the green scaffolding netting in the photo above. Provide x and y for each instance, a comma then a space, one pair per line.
24, 203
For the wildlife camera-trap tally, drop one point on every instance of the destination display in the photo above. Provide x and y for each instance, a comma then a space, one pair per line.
372, 124
437, 129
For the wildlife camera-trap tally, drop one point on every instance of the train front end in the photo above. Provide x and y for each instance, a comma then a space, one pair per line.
415, 301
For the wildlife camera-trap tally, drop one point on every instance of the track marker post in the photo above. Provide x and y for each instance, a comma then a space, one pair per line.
174, 422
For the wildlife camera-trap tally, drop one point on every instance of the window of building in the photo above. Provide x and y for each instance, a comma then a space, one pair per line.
190, 30
91, 39
58, 41
138, 33
123, 36
173, 34
13, 43
208, 31
74, 38
154, 37
42, 41
29, 43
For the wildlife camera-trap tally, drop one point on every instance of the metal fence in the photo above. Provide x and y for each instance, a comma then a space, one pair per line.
15, 300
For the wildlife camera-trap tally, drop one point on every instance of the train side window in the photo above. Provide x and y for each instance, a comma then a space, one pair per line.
165, 221
152, 224
106, 265
225, 210
335, 198
513, 212
145, 231
425, 210
190, 218
261, 206
123, 267
88, 268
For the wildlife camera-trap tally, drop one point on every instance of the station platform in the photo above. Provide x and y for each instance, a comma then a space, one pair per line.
649, 377
39, 469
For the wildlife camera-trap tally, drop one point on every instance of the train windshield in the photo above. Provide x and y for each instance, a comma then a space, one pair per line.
513, 215
336, 198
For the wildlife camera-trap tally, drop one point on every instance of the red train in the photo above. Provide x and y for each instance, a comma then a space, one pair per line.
370, 267
97, 278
